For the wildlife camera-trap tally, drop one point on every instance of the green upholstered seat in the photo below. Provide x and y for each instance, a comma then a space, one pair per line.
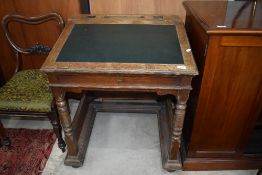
28, 90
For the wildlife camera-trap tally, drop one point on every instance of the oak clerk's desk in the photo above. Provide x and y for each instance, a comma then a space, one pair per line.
122, 53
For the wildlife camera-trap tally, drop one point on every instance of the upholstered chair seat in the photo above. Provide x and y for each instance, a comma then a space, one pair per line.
28, 90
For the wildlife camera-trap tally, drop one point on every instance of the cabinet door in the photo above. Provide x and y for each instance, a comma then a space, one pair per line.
230, 97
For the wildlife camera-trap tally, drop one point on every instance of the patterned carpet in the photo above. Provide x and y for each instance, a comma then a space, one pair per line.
28, 153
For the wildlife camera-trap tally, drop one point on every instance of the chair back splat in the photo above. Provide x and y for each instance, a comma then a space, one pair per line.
37, 48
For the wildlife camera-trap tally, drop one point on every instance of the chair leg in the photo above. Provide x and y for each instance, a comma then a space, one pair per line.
57, 129
6, 140
259, 172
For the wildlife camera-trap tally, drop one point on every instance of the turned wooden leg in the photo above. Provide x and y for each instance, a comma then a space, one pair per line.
178, 121
62, 107
57, 129
5, 139
170, 129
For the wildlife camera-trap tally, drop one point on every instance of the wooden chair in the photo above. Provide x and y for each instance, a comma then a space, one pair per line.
27, 93
4, 140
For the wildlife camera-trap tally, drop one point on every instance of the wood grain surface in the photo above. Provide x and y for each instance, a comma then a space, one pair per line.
142, 7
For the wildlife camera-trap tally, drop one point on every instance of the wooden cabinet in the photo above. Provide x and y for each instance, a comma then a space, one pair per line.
223, 121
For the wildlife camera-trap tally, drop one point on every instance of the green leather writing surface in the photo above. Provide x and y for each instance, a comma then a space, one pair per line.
122, 43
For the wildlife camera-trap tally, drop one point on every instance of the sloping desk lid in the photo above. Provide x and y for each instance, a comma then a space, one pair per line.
122, 44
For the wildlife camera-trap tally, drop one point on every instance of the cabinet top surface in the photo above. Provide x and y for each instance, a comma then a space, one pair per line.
122, 44
227, 16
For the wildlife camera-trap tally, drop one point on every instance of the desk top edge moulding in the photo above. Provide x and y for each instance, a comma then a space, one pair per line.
187, 66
